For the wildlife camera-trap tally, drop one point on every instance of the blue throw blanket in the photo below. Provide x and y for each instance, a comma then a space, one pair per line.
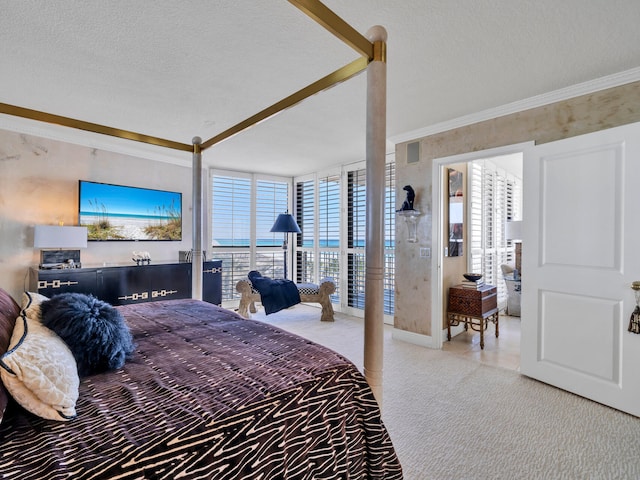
275, 294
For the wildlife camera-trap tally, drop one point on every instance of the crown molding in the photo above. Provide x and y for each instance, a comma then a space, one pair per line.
577, 90
152, 152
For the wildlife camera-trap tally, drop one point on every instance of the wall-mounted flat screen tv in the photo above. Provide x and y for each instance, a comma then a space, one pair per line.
118, 212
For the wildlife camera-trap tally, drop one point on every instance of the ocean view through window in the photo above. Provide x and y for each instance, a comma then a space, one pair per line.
244, 207
329, 208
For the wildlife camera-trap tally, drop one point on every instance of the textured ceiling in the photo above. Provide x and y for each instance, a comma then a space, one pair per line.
196, 67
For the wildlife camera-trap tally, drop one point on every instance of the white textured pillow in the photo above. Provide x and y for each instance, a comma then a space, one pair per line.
31, 304
39, 370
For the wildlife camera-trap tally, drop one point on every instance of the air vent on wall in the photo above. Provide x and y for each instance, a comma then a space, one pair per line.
413, 152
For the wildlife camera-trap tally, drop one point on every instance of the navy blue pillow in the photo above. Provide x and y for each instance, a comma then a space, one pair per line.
95, 331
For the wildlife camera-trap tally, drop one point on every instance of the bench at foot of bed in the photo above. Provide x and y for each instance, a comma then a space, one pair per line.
309, 293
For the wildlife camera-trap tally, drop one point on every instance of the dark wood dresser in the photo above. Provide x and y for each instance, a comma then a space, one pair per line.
475, 307
120, 285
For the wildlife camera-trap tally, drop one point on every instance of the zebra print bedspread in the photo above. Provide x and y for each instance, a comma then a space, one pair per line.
209, 395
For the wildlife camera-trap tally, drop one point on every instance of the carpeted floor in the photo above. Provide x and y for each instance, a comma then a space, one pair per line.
454, 418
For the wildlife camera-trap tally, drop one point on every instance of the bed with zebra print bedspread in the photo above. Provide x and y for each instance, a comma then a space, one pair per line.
209, 395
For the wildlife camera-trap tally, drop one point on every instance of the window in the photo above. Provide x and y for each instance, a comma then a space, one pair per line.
305, 216
329, 231
390, 239
318, 215
495, 198
356, 234
356, 214
244, 207
331, 211
271, 201
231, 211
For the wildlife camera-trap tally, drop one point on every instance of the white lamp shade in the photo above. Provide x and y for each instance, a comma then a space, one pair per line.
514, 230
53, 236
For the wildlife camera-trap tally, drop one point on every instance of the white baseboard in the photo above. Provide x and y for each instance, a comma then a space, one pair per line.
412, 337
424, 340
454, 331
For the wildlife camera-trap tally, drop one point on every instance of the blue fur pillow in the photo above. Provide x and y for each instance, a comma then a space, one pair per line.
95, 331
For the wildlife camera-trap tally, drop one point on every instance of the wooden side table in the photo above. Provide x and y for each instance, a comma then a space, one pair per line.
475, 307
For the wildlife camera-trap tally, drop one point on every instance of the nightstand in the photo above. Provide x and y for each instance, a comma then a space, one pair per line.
476, 307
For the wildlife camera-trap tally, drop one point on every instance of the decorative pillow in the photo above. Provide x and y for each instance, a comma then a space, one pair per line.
9, 311
94, 330
39, 369
31, 304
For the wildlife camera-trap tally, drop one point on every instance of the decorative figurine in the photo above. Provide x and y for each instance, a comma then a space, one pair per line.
411, 196
141, 258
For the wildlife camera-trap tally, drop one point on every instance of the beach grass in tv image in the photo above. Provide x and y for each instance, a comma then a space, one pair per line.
118, 212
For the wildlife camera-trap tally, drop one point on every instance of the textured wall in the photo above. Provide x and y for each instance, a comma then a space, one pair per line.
576, 116
39, 185
413, 273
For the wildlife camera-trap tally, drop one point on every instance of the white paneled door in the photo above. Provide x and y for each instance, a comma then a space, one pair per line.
581, 252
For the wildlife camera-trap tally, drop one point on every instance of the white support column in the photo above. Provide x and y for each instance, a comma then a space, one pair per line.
375, 193
196, 254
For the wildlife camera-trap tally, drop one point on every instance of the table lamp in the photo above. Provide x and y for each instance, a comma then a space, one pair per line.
59, 245
286, 224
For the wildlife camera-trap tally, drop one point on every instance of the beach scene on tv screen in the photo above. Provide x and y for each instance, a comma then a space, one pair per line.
115, 212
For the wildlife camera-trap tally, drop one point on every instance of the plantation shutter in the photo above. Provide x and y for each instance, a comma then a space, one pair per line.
495, 198
305, 216
389, 239
329, 231
271, 200
329, 211
356, 234
231, 211
243, 210
305, 207
356, 206
356, 231
475, 217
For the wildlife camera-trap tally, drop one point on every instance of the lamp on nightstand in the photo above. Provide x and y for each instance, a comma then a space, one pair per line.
60, 245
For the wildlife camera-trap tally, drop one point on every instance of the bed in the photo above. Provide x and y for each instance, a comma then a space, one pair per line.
372, 57
208, 395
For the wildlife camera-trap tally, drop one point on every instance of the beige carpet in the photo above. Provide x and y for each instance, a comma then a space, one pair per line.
454, 418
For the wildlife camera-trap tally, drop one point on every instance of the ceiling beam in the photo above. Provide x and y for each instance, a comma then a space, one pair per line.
321, 14
315, 10
341, 29
91, 127
333, 78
